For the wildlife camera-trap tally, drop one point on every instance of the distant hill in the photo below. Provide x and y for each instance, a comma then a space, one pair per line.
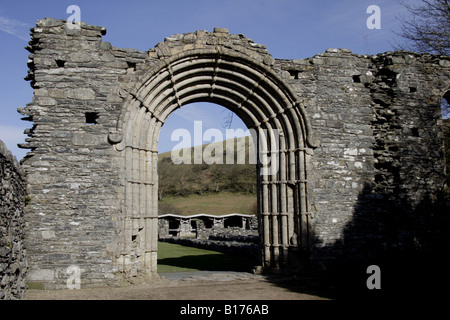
183, 180
209, 203
239, 147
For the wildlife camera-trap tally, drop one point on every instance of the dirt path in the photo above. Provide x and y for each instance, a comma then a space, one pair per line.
190, 286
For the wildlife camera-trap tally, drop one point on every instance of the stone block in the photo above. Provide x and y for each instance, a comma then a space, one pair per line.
81, 94
44, 101
57, 93
41, 275
87, 139
220, 30
80, 56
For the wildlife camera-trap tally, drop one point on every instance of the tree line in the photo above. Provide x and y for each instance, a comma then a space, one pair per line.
187, 179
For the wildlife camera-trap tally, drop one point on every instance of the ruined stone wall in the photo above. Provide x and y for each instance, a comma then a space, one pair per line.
13, 264
340, 111
376, 118
72, 173
236, 248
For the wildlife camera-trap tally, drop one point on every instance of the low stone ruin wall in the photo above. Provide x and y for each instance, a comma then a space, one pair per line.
231, 240
246, 249
228, 233
236, 234
13, 264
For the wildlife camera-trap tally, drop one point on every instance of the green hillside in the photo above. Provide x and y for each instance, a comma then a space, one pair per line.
207, 188
210, 203
175, 258
220, 189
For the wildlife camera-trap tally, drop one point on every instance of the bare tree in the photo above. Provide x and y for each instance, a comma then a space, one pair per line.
427, 28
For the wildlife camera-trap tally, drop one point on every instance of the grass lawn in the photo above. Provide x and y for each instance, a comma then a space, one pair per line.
175, 258
214, 203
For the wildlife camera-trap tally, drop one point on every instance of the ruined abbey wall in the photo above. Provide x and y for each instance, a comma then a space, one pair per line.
378, 119
374, 155
13, 264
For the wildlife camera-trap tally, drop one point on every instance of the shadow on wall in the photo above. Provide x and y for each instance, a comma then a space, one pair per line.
410, 245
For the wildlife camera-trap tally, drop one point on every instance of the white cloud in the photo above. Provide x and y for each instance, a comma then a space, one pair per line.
14, 27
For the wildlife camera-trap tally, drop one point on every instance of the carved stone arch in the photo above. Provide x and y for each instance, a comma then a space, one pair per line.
252, 90
92, 184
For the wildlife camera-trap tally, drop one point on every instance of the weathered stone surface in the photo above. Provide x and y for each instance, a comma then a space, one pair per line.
246, 249
13, 264
361, 139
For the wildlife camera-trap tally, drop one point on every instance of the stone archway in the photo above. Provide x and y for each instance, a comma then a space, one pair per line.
244, 83
97, 111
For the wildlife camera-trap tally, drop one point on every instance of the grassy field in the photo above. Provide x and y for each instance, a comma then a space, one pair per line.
175, 258
213, 203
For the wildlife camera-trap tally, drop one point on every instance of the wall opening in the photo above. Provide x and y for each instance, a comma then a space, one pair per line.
294, 74
202, 135
91, 117
445, 105
356, 78
60, 63
265, 104
131, 66
445, 108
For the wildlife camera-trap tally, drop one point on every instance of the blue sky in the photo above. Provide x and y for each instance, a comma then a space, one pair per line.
291, 29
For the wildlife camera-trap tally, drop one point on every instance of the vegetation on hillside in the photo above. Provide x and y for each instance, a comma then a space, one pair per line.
187, 179
181, 186
208, 188
209, 203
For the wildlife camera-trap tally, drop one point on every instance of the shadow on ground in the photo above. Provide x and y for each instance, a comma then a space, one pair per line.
208, 262
410, 244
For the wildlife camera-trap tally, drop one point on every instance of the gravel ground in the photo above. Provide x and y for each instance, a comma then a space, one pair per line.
190, 286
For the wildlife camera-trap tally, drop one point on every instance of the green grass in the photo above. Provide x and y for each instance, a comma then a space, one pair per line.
214, 203
177, 258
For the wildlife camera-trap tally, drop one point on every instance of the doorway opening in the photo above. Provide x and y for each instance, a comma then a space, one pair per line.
265, 103
207, 192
